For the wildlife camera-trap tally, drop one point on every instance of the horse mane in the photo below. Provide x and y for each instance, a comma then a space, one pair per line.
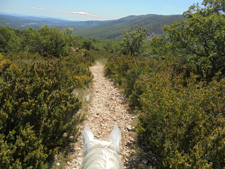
101, 155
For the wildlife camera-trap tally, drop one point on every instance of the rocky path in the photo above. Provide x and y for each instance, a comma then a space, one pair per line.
106, 108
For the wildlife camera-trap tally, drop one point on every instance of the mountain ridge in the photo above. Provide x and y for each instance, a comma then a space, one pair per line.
113, 29
23, 22
109, 29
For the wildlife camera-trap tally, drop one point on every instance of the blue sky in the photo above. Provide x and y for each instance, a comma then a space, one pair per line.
94, 9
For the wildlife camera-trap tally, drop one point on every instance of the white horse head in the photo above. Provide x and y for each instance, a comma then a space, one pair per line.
102, 154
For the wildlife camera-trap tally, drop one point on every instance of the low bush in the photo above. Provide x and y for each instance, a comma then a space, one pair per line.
182, 127
181, 119
38, 112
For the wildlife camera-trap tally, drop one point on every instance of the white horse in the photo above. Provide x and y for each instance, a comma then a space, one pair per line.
102, 154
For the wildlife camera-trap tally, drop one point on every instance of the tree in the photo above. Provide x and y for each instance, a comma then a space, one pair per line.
133, 40
31, 40
8, 40
52, 42
201, 37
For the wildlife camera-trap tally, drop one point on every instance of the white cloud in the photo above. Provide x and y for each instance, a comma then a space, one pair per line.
69, 12
38, 8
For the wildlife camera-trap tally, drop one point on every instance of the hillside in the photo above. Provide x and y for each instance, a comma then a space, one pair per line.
93, 29
25, 22
114, 29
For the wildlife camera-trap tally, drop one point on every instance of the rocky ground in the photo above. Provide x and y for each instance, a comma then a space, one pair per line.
106, 108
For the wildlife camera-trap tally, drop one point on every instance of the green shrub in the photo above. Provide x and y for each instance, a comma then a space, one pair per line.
181, 119
182, 127
38, 112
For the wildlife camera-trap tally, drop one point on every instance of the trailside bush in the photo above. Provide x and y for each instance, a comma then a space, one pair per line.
124, 70
21, 149
76, 67
182, 127
38, 112
117, 67
181, 119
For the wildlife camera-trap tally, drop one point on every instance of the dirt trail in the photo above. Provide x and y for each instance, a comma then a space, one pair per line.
107, 108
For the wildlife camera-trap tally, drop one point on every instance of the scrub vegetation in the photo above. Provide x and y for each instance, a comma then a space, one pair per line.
174, 83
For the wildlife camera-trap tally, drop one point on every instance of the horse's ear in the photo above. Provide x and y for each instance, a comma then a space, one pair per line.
87, 135
115, 138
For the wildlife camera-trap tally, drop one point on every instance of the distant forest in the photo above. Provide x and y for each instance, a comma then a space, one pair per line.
94, 29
